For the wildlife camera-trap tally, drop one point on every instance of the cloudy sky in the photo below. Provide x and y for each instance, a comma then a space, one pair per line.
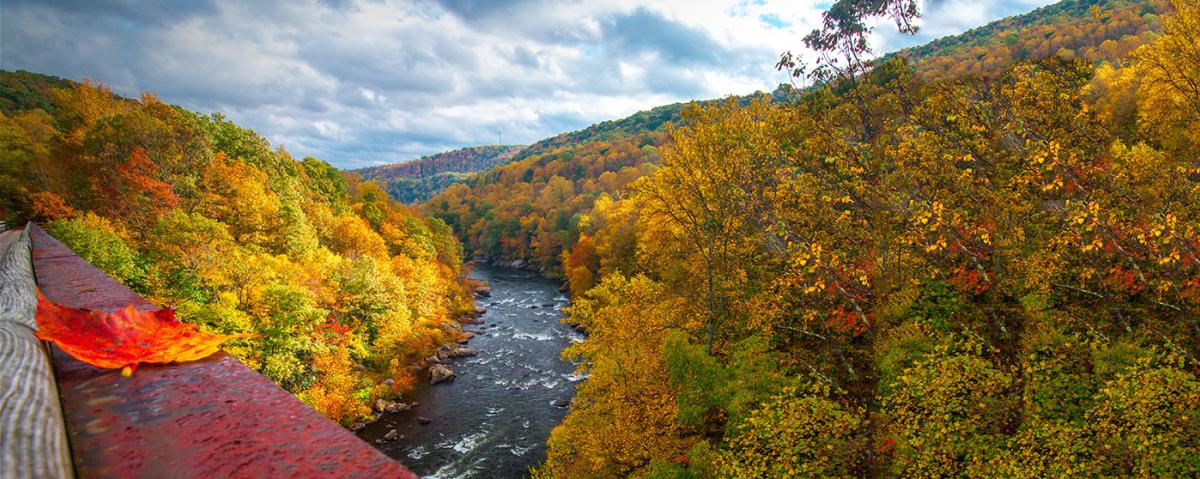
362, 82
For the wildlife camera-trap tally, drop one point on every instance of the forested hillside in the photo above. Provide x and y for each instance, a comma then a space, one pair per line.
418, 180
1096, 31
902, 272
500, 214
342, 287
28, 91
529, 210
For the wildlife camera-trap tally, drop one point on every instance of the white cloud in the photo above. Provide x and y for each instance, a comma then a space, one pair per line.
361, 82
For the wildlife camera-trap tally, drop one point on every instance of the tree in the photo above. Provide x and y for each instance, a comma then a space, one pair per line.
698, 195
842, 40
1170, 84
623, 416
103, 244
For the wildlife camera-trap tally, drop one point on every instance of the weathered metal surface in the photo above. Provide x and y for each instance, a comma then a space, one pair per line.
205, 419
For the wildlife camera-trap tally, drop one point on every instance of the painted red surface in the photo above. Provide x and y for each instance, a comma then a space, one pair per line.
206, 419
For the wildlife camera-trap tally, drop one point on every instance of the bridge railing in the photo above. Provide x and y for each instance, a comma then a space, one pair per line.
205, 419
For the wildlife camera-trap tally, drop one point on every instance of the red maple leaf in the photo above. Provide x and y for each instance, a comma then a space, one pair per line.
125, 338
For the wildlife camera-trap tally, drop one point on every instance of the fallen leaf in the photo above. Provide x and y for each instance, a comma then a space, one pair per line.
125, 338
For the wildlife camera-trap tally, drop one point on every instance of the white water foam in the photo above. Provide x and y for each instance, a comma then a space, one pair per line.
543, 336
417, 453
466, 443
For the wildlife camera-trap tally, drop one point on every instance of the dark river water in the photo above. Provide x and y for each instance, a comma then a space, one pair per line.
494, 418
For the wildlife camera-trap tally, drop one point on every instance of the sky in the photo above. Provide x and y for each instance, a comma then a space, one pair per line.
366, 82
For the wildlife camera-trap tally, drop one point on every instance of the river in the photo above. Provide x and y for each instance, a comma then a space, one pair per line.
494, 418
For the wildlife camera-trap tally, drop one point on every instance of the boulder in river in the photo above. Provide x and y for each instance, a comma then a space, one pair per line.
470, 319
391, 435
481, 288
517, 264
440, 373
560, 402
462, 352
423, 420
465, 337
397, 407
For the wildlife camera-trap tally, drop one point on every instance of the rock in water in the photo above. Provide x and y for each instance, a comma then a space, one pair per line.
397, 407
391, 435
560, 402
423, 420
466, 337
462, 352
470, 319
440, 373
481, 288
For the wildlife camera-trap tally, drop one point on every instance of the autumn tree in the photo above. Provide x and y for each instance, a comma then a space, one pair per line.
623, 416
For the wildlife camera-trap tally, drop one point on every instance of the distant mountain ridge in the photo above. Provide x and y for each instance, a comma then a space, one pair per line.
420, 179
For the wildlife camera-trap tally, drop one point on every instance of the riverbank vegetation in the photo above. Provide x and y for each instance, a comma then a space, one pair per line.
891, 274
343, 288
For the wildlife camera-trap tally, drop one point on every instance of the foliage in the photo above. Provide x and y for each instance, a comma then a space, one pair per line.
793, 434
987, 275
26, 91
531, 209
623, 416
946, 412
98, 241
422, 178
340, 286
1095, 31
